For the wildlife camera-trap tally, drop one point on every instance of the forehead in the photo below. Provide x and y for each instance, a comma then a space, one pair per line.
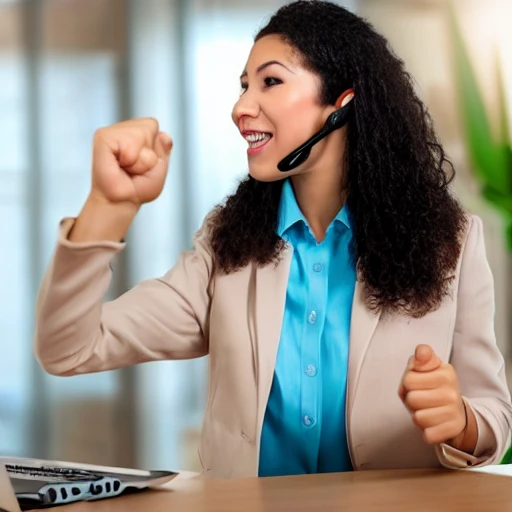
271, 47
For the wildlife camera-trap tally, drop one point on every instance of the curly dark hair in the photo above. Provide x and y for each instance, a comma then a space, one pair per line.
408, 228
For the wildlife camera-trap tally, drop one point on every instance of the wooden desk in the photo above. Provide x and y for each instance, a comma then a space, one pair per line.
364, 491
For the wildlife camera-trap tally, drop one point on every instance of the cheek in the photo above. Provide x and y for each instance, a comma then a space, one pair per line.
298, 119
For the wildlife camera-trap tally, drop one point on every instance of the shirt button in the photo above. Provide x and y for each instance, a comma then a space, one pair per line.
312, 317
308, 421
317, 267
310, 370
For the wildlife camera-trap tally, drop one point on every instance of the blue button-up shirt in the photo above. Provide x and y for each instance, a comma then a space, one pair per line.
304, 428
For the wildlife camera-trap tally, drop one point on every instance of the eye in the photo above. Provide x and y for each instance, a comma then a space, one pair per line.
270, 81
243, 87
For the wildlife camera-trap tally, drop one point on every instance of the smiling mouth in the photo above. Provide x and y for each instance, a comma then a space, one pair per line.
256, 140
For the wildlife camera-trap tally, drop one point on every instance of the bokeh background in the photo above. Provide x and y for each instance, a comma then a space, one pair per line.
68, 67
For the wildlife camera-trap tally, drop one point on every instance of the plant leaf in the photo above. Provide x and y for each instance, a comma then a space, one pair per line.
490, 160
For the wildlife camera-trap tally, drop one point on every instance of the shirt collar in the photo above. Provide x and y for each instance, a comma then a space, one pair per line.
290, 214
289, 211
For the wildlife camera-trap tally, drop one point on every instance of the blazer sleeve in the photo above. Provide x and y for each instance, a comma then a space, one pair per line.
77, 332
477, 360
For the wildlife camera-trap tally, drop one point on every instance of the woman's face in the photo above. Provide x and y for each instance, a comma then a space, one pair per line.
278, 109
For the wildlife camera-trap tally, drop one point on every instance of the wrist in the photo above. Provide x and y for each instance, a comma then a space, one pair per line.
467, 439
101, 220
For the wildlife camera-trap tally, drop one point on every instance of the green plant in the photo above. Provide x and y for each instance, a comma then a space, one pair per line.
490, 155
507, 458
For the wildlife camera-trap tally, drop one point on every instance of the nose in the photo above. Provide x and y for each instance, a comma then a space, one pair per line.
246, 106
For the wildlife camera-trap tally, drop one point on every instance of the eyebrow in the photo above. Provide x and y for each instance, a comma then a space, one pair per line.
265, 65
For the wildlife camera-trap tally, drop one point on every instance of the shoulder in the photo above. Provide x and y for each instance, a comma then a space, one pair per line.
203, 235
472, 237
473, 266
202, 241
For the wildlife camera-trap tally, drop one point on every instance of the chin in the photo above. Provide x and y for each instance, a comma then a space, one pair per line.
266, 173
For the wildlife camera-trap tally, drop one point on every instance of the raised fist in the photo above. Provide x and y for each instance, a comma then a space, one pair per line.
130, 161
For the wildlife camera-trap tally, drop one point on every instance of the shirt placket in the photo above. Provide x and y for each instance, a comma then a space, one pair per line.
311, 365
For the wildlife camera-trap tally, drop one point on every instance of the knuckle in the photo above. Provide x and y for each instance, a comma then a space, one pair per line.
430, 436
410, 400
452, 395
408, 380
151, 123
131, 144
449, 373
452, 378
149, 137
100, 134
417, 418
130, 150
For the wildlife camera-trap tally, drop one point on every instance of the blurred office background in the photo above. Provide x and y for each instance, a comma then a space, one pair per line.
68, 67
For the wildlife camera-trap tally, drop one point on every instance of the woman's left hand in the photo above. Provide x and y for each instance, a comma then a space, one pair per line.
430, 391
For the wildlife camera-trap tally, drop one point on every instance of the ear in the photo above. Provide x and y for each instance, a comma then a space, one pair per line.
344, 98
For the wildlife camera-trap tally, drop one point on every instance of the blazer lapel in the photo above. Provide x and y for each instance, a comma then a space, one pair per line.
362, 326
271, 283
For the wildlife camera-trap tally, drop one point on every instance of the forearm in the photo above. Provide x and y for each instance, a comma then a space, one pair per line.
69, 305
100, 220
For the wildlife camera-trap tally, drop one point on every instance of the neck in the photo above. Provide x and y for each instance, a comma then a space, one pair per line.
320, 197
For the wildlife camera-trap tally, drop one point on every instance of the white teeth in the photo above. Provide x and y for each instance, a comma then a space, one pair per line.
255, 139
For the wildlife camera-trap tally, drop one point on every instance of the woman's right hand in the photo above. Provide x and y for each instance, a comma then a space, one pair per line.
130, 161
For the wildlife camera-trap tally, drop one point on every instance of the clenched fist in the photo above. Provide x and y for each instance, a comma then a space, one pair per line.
430, 391
130, 161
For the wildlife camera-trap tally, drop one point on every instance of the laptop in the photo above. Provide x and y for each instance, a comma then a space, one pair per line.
8, 500
41, 484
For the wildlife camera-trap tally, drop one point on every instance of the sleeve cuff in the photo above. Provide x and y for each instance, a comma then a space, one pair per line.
451, 458
65, 227
485, 448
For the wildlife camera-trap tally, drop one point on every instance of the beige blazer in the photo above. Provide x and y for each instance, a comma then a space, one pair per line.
192, 311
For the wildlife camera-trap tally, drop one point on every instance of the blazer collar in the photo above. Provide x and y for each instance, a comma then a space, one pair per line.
271, 282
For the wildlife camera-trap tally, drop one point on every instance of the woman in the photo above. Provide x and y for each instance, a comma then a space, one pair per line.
361, 246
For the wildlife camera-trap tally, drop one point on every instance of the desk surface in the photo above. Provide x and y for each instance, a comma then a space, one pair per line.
368, 491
